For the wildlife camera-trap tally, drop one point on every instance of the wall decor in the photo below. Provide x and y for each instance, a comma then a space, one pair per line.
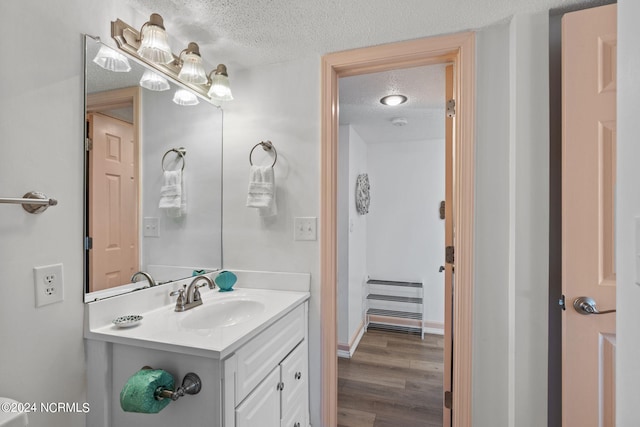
362, 194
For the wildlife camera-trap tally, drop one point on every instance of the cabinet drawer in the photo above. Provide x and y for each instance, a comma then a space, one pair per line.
263, 353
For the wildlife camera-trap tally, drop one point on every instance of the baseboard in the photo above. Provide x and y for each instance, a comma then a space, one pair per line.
429, 327
346, 351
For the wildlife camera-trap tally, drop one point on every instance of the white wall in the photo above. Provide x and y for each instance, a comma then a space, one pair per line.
627, 208
405, 235
358, 234
41, 121
195, 239
512, 211
491, 284
279, 102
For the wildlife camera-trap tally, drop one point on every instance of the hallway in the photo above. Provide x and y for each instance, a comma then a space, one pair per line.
393, 380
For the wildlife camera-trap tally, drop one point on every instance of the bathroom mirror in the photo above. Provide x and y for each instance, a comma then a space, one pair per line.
144, 150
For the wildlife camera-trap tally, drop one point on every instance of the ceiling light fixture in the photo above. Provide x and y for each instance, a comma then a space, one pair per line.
191, 69
220, 90
111, 60
151, 46
393, 100
154, 42
185, 98
154, 81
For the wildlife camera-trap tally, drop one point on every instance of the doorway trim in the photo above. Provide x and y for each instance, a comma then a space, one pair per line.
458, 49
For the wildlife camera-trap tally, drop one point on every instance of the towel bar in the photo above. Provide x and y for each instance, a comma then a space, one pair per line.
33, 202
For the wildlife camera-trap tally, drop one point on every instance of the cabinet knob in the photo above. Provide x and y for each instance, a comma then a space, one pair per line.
298, 375
296, 425
280, 386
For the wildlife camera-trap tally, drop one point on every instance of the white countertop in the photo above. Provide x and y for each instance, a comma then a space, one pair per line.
162, 328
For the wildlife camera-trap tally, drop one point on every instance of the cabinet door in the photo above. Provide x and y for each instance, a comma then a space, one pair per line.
295, 391
262, 407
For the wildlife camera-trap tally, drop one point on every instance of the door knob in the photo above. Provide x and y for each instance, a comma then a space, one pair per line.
586, 305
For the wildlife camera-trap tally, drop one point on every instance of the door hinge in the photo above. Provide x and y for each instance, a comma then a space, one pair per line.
442, 204
88, 243
449, 255
451, 108
88, 144
561, 303
448, 399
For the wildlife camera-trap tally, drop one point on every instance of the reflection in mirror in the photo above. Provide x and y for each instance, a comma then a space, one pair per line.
153, 168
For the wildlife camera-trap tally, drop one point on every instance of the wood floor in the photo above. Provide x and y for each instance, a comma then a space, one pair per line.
392, 380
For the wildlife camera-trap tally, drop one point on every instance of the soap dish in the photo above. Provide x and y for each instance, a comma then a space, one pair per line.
127, 321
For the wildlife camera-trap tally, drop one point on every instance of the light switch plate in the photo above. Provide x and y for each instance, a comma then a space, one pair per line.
151, 226
305, 228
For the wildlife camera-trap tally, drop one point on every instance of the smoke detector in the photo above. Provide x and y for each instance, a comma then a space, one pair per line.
399, 121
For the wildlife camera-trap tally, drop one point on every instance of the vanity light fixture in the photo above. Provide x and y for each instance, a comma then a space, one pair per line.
154, 42
185, 98
393, 100
192, 70
150, 45
111, 60
154, 81
220, 89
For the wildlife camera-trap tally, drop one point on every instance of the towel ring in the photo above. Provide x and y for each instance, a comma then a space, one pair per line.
180, 151
266, 146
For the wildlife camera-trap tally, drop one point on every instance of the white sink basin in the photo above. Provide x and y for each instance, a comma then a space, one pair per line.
222, 313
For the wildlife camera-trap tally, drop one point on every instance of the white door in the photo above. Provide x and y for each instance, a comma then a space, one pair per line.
588, 228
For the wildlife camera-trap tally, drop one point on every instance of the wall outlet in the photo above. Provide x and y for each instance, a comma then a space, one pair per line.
48, 281
305, 228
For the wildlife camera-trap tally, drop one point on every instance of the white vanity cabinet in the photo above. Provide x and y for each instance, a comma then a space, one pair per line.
257, 380
271, 387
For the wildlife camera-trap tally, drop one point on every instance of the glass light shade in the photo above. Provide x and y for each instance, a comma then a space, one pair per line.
184, 97
154, 81
220, 90
192, 70
155, 45
111, 60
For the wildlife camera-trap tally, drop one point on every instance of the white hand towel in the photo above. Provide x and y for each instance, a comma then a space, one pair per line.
262, 190
173, 197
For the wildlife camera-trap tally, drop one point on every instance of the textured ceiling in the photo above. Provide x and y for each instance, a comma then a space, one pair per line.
248, 33
424, 110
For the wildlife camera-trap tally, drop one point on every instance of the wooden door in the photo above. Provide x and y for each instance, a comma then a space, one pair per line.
113, 205
448, 241
588, 228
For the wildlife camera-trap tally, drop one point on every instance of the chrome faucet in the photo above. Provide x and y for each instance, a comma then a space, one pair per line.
189, 297
147, 276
